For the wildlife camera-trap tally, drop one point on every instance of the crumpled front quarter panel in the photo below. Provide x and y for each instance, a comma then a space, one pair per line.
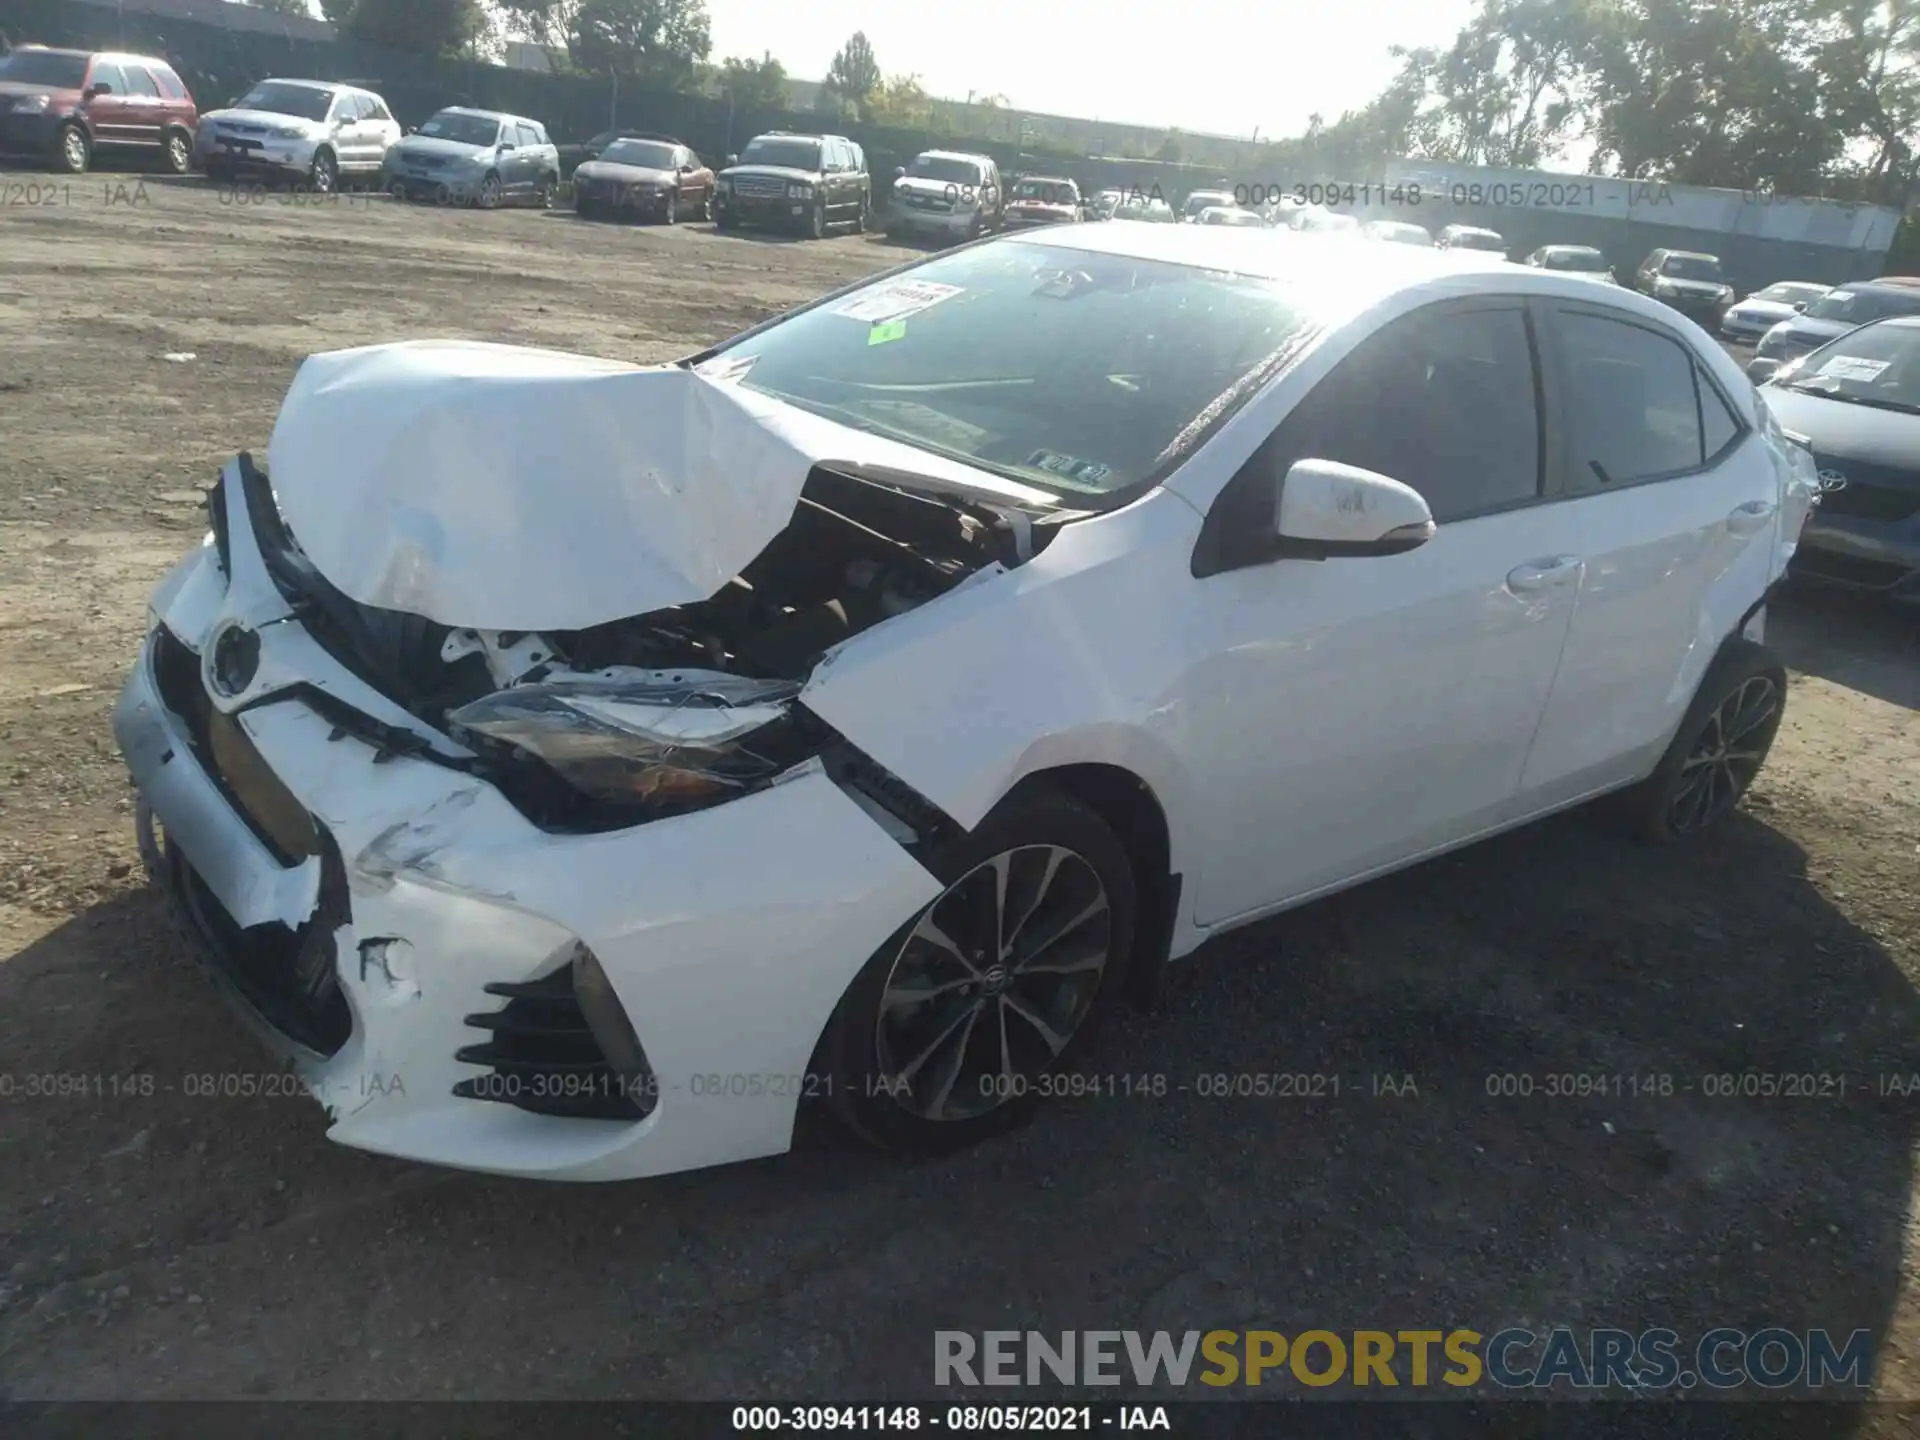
1075, 657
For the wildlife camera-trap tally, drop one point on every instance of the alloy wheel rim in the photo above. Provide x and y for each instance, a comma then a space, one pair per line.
993, 982
76, 148
177, 153
1726, 756
323, 177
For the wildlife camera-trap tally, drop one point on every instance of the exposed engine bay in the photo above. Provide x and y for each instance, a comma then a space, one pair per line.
654, 713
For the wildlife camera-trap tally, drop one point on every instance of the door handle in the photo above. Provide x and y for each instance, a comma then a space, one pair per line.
1537, 575
1747, 518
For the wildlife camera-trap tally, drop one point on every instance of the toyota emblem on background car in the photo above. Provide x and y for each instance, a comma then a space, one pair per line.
1831, 480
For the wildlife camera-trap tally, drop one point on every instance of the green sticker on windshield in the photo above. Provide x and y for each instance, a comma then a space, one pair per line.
888, 330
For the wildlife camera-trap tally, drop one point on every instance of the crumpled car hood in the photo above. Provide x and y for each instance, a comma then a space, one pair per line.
496, 487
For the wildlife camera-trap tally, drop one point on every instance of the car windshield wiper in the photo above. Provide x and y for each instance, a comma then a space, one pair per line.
1872, 402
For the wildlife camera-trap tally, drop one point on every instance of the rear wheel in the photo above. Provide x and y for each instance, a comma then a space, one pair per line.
1717, 751
74, 152
544, 192
176, 152
948, 1033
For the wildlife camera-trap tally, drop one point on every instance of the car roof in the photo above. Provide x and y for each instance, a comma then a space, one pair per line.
306, 84
954, 155
1689, 255
1891, 282
1045, 179
1472, 230
483, 114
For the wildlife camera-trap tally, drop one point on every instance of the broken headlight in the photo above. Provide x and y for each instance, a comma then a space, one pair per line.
636, 745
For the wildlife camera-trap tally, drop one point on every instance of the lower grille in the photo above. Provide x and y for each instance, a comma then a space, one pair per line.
760, 189
544, 1057
1870, 502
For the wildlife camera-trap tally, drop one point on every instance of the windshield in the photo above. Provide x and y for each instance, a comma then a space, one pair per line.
1062, 369
1201, 199
1048, 192
462, 129
1691, 267
1878, 366
944, 168
41, 67
1477, 240
301, 101
1856, 307
1225, 215
1584, 261
646, 154
1403, 234
1789, 292
787, 154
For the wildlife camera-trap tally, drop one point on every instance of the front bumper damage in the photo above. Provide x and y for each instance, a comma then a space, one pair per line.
380, 963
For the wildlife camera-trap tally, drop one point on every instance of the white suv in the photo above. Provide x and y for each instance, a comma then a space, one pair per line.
574, 764
305, 131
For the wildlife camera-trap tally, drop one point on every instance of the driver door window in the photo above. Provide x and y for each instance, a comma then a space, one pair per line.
1445, 400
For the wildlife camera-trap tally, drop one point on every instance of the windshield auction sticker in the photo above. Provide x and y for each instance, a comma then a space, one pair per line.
1853, 367
896, 300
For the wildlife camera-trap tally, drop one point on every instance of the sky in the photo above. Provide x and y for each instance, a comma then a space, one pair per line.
1225, 66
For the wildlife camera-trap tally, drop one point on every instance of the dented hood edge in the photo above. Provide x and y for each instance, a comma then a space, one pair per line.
498, 487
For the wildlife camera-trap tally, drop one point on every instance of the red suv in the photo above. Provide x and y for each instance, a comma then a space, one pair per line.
63, 105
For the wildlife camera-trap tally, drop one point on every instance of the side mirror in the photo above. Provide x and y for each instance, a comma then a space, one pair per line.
1800, 308
1327, 510
1761, 371
93, 91
899, 172
506, 145
733, 159
413, 130
686, 169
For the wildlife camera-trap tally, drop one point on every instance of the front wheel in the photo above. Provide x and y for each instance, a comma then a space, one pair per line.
324, 174
962, 1022
75, 151
818, 227
488, 197
672, 215
1719, 748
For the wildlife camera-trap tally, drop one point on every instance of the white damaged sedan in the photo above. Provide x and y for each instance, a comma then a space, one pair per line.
570, 766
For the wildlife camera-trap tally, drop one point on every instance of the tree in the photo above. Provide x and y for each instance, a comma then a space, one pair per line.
1170, 150
900, 101
432, 27
337, 12
854, 75
755, 84
547, 23
659, 40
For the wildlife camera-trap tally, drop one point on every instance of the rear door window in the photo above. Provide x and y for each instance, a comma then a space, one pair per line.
140, 83
1632, 406
109, 75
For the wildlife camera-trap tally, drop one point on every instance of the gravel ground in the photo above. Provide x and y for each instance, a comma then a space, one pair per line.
160, 1245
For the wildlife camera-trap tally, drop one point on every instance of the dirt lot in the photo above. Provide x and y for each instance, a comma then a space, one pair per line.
175, 1247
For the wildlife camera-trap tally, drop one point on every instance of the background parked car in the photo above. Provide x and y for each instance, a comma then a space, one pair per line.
649, 179
1856, 400
947, 194
63, 106
1471, 237
305, 130
1105, 203
1150, 208
795, 182
1200, 200
475, 157
1764, 309
1319, 219
1573, 260
1232, 215
1397, 232
1690, 281
1841, 309
1042, 200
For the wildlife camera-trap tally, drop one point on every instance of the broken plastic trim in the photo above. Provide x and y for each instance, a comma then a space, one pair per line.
919, 827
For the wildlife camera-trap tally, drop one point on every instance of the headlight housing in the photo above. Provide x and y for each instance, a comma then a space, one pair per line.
799, 192
32, 104
628, 746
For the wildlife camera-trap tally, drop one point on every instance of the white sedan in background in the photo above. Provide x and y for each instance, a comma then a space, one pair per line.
571, 766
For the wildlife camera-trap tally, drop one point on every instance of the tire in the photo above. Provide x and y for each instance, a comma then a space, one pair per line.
488, 196
323, 176
544, 192
817, 227
583, 208
74, 152
218, 173
705, 212
671, 215
863, 222
896, 1079
1718, 750
176, 152
725, 220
